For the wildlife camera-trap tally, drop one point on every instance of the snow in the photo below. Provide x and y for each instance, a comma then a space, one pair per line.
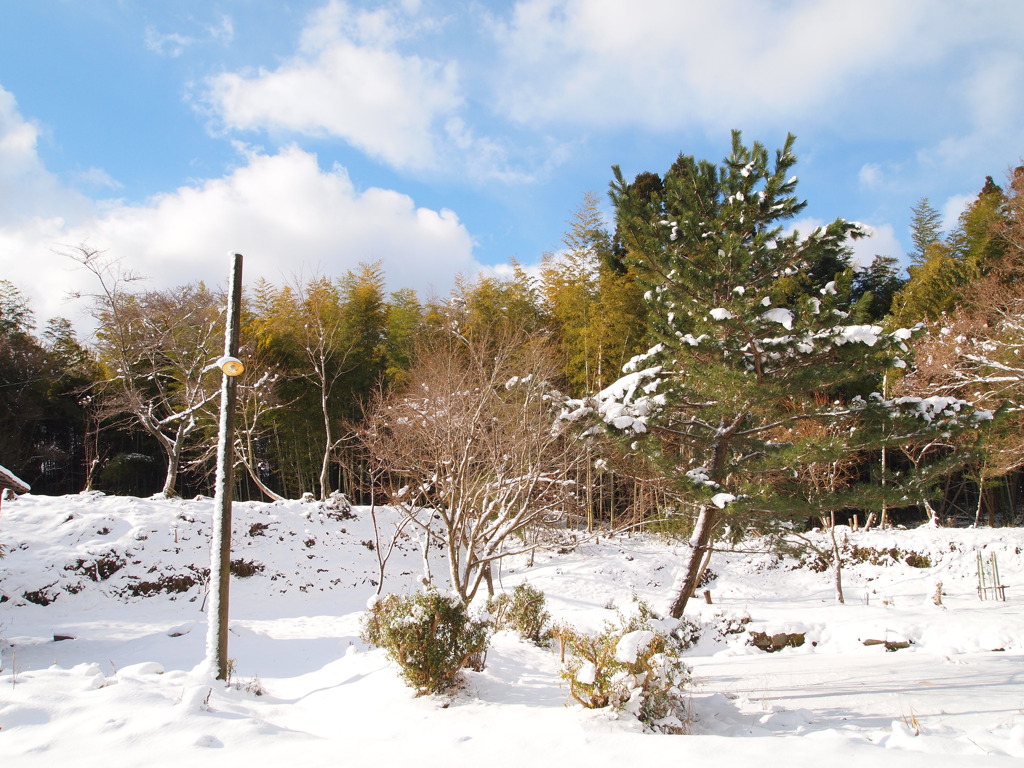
10, 480
931, 408
720, 500
626, 404
587, 673
865, 334
721, 313
130, 687
700, 476
783, 317
630, 645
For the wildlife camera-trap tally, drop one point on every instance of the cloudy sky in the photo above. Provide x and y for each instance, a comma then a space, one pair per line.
441, 137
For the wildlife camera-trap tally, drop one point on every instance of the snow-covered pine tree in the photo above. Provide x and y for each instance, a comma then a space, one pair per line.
755, 338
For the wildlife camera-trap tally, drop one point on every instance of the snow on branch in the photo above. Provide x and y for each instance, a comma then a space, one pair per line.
626, 404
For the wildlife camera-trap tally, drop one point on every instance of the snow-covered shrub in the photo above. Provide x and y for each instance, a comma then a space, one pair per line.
634, 666
431, 637
523, 611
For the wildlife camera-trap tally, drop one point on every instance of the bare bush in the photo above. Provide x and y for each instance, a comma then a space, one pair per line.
472, 450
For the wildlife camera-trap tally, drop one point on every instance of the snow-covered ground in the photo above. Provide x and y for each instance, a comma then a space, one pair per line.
127, 687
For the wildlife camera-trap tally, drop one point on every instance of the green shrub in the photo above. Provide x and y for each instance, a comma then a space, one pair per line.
243, 569
522, 611
889, 556
430, 636
917, 560
634, 666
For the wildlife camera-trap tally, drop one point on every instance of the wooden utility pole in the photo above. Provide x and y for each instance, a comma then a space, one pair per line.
220, 546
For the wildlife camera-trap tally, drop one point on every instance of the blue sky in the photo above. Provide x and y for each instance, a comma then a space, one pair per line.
443, 137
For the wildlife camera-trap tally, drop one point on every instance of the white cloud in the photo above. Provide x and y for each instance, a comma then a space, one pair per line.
953, 207
27, 189
664, 64
881, 240
97, 177
932, 84
986, 96
486, 159
348, 81
223, 31
870, 175
353, 78
173, 44
285, 214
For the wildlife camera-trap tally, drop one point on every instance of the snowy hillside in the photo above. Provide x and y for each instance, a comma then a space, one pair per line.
103, 628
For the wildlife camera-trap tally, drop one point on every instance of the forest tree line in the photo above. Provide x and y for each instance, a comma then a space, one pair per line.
722, 312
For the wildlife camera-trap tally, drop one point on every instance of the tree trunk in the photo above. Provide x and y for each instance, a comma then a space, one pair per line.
173, 451
703, 567
325, 466
706, 522
489, 578
838, 556
92, 451
428, 576
172, 472
258, 482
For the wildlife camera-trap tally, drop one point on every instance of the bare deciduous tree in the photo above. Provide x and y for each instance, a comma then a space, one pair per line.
156, 347
473, 451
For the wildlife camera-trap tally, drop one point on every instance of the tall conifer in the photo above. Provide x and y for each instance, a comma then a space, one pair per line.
756, 340
925, 229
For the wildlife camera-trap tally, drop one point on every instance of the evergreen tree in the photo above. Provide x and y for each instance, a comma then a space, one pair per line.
620, 325
70, 426
365, 314
932, 289
328, 339
16, 317
405, 317
569, 284
744, 359
595, 308
22, 383
1012, 226
925, 229
977, 240
879, 281
43, 417
944, 270
975, 349
488, 304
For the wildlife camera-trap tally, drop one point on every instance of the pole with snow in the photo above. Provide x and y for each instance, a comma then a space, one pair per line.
220, 546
